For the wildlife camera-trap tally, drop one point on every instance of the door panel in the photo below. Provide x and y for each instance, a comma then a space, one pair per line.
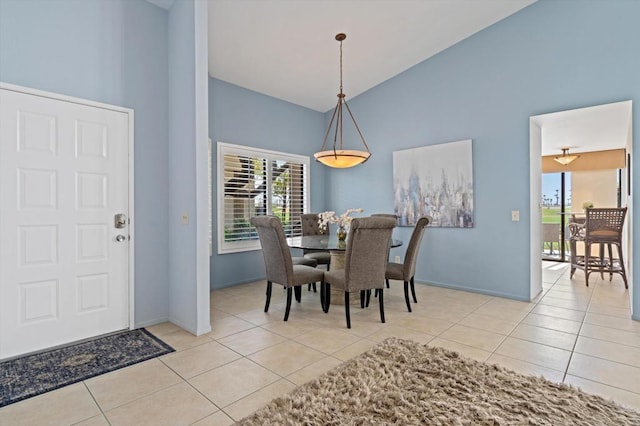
63, 176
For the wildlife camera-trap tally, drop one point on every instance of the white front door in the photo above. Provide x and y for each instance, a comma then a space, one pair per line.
64, 265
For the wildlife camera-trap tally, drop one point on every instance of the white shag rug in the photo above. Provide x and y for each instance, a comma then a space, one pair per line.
406, 383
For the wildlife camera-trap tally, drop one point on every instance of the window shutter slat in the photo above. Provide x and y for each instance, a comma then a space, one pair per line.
254, 182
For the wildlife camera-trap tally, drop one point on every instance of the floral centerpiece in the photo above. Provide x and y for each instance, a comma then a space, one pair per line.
343, 221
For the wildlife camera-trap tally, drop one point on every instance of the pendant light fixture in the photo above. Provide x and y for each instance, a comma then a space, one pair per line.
565, 158
338, 157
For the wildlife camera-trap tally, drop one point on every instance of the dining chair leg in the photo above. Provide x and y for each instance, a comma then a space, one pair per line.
587, 255
572, 250
322, 301
610, 262
297, 290
601, 260
381, 305
346, 308
406, 295
363, 298
624, 272
368, 298
266, 305
413, 290
387, 280
286, 312
327, 296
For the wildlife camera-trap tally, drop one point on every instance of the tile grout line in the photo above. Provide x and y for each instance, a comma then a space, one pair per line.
582, 323
564, 376
104, 415
521, 321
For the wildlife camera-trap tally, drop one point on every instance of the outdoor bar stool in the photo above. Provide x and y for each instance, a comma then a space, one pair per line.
603, 227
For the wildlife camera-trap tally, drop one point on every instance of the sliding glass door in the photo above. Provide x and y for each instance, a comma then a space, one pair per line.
556, 208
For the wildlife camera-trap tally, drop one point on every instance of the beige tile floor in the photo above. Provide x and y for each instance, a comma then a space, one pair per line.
571, 333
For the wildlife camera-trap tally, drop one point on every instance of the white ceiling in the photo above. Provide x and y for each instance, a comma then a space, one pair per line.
287, 48
596, 128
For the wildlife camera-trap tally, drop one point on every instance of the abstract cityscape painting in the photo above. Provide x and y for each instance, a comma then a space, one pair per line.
434, 180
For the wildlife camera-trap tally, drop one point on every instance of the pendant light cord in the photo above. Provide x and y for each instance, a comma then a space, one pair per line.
340, 66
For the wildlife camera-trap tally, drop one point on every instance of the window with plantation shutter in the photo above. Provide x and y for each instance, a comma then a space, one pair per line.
257, 182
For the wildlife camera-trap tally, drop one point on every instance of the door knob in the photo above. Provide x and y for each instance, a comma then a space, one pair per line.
120, 238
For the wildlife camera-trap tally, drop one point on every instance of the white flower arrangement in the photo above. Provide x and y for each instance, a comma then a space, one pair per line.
325, 218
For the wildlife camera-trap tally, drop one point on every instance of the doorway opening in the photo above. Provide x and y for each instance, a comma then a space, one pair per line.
601, 137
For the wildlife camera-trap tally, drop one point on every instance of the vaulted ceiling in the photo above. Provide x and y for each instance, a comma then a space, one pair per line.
287, 48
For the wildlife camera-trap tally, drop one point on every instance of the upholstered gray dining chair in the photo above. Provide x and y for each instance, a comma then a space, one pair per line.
278, 261
300, 260
406, 270
311, 226
392, 216
366, 256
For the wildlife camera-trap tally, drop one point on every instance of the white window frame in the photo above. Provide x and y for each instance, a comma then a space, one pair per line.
223, 149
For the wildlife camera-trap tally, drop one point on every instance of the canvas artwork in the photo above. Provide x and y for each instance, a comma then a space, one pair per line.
434, 180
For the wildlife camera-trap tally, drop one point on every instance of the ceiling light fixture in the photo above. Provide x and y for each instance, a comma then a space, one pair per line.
338, 157
565, 158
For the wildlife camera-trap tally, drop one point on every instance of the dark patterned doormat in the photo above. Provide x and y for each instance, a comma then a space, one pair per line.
32, 375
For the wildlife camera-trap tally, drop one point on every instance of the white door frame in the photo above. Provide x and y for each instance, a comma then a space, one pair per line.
130, 188
535, 212
535, 188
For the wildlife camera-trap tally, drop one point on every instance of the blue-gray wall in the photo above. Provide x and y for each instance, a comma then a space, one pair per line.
112, 51
184, 255
243, 117
551, 56
188, 139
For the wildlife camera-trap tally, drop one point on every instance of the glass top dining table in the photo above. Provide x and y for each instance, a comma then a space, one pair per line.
324, 242
335, 247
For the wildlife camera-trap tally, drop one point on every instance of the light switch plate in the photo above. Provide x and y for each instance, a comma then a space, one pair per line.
515, 215
185, 218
